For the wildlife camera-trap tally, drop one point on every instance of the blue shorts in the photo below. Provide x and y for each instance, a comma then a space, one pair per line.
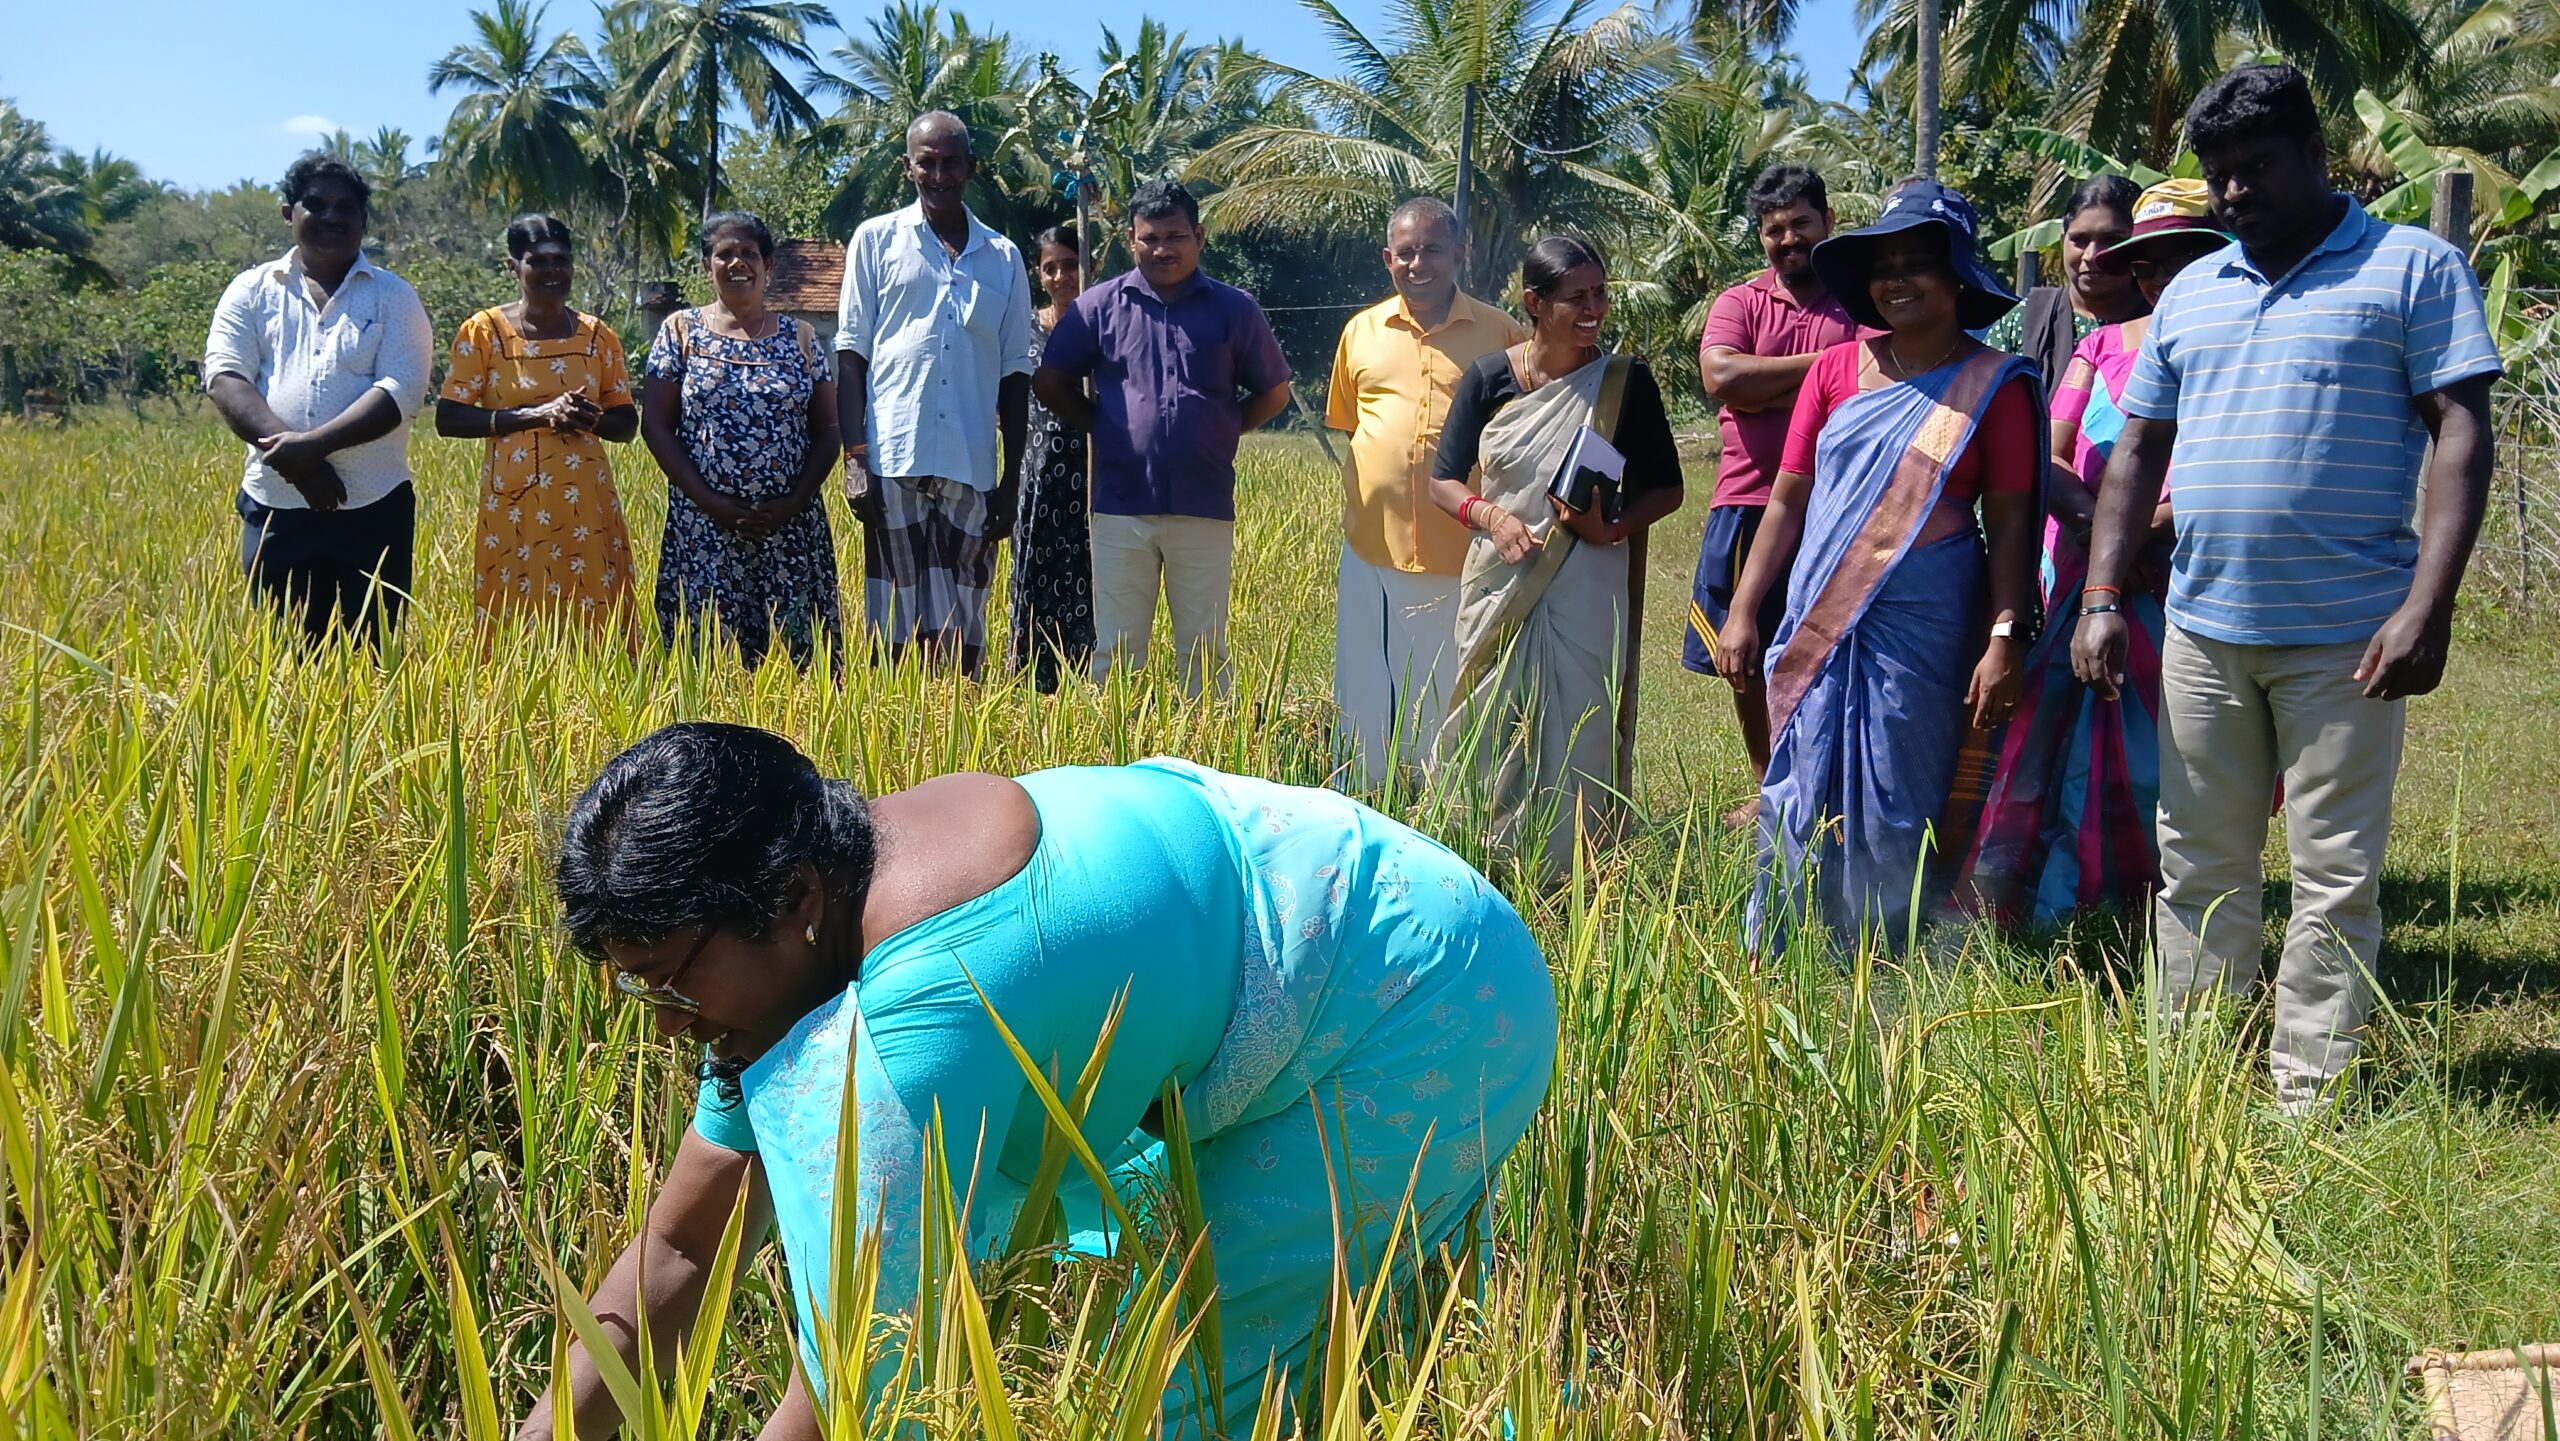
1731, 529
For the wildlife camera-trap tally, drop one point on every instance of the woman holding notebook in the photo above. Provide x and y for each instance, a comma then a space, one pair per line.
1904, 527
1541, 733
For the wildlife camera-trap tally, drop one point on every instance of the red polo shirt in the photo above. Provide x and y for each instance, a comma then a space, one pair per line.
1763, 317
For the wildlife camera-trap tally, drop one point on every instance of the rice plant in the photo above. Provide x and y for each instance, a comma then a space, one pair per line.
312, 1126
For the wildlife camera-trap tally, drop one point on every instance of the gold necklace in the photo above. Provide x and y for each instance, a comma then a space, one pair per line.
1903, 372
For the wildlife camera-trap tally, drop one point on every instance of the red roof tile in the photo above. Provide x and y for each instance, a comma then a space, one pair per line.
807, 275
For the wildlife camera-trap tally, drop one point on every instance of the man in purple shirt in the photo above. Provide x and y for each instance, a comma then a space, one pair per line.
1761, 338
1182, 367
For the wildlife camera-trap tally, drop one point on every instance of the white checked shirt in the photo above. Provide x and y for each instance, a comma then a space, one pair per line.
312, 364
940, 333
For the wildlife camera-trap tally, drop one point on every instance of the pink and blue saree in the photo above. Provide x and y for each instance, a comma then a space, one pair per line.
2068, 821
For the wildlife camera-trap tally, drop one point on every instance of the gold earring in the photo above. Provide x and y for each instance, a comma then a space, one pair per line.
811, 933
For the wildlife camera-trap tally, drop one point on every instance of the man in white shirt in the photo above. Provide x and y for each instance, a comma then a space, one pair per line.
933, 356
319, 360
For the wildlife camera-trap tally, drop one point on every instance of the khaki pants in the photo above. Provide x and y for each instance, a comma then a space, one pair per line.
1395, 655
1194, 561
2235, 719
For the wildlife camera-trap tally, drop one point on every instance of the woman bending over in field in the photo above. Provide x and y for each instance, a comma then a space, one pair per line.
1277, 950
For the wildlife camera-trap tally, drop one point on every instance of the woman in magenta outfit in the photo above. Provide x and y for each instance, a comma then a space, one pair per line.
2067, 823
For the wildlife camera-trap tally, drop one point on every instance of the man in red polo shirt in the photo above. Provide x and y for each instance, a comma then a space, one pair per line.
1761, 338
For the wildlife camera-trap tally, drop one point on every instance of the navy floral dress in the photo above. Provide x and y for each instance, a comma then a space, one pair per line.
745, 422
1052, 548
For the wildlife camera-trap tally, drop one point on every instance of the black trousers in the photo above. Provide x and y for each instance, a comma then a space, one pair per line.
320, 565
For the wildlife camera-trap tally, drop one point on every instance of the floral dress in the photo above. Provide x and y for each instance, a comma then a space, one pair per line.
1052, 548
745, 422
551, 534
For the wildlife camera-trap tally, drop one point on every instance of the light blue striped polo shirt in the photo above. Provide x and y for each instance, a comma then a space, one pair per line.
2295, 477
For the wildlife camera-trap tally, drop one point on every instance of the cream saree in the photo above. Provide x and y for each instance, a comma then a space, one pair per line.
1540, 736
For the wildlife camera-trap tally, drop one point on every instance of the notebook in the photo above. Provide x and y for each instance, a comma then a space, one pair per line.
1592, 477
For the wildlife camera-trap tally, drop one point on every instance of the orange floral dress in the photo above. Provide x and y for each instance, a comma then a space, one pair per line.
551, 531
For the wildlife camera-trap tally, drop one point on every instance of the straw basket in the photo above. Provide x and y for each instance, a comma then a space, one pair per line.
2489, 1395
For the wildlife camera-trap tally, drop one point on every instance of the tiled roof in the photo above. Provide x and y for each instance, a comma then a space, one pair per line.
807, 275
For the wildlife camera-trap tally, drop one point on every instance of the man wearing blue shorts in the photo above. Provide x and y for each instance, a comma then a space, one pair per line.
1761, 337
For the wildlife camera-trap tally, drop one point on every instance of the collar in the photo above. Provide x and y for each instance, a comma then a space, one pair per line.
288, 266
1134, 281
1464, 309
978, 232
2347, 234
1784, 294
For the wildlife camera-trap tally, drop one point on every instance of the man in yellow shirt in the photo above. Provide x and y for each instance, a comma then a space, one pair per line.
1395, 650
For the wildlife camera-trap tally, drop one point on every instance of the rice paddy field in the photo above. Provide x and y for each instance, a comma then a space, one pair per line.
308, 1121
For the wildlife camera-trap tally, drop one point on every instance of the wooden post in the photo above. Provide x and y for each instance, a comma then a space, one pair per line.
2451, 218
2030, 269
1085, 259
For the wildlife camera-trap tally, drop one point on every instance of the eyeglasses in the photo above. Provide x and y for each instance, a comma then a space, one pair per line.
664, 993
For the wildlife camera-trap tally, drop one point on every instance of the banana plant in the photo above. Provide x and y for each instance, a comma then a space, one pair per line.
2500, 200
2076, 158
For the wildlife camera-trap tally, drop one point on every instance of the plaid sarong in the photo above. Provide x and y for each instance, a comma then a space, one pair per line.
926, 570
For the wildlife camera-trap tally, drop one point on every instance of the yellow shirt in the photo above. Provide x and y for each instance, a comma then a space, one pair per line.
1391, 386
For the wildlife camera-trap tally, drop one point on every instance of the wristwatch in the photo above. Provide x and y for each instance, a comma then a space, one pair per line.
2003, 629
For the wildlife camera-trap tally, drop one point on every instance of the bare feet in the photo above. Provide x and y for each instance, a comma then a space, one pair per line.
1744, 816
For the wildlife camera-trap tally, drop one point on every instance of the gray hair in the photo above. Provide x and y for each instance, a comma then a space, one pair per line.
1426, 210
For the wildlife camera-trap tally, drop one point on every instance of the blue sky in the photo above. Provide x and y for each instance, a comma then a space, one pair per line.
204, 93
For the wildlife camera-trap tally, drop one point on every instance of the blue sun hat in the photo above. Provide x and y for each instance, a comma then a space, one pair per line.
1845, 260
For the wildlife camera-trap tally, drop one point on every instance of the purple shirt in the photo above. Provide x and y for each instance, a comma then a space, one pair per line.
1170, 379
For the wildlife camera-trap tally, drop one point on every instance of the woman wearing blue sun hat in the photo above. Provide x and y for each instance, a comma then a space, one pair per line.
1903, 525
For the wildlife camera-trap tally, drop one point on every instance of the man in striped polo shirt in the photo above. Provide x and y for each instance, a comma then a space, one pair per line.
2292, 382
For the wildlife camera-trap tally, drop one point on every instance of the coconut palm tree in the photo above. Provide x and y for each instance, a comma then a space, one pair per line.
514, 133
39, 208
1707, 139
384, 159
1560, 83
2132, 66
644, 167
110, 187
914, 60
701, 54
1155, 105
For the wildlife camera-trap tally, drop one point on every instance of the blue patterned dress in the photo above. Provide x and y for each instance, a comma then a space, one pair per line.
746, 425
1282, 949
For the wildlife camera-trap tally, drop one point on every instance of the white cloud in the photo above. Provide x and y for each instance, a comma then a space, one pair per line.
317, 127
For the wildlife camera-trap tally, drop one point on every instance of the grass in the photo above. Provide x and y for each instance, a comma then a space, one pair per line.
300, 1100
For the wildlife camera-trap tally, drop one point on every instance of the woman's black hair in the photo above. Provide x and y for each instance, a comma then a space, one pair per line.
704, 824
2112, 191
1061, 236
314, 166
1552, 259
746, 220
527, 231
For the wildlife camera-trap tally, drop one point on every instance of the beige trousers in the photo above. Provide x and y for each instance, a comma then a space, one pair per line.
1193, 560
2235, 719
1395, 655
